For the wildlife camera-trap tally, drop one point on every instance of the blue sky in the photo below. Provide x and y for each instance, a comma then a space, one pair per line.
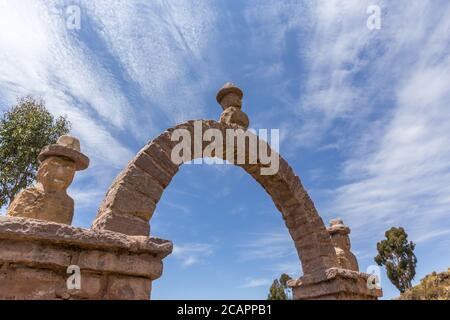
363, 115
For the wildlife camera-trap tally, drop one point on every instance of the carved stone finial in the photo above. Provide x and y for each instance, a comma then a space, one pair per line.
48, 199
338, 226
339, 233
230, 98
68, 147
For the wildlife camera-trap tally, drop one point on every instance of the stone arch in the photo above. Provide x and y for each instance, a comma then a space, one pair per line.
131, 200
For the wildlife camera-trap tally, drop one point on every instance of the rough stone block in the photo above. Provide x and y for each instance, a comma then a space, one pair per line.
34, 254
92, 287
149, 165
143, 265
128, 288
124, 200
140, 181
163, 158
20, 283
126, 224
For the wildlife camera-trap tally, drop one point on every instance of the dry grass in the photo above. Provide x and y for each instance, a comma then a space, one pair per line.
435, 286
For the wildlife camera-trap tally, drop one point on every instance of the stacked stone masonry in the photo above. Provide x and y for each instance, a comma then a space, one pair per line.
35, 256
117, 257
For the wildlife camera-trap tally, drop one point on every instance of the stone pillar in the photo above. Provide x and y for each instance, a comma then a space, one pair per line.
35, 257
334, 284
340, 237
39, 250
230, 98
344, 282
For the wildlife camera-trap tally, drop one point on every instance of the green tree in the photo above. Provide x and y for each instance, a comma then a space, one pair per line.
279, 289
24, 130
396, 253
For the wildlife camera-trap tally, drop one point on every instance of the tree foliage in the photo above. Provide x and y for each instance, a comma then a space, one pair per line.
279, 289
396, 253
24, 130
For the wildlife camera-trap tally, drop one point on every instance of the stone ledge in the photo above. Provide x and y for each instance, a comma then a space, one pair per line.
59, 257
328, 274
334, 283
15, 228
25, 283
35, 255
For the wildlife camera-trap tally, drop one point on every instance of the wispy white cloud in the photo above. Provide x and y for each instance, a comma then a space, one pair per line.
400, 175
433, 235
254, 283
158, 44
238, 210
83, 196
275, 250
120, 79
180, 208
378, 98
270, 245
192, 253
292, 267
333, 55
40, 56
329, 39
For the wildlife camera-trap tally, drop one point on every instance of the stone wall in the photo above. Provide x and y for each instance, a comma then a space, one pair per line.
334, 284
35, 256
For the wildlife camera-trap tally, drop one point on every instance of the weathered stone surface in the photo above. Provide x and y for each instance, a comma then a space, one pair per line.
137, 179
341, 241
35, 255
22, 252
229, 96
38, 204
334, 283
344, 282
143, 265
148, 164
313, 242
13, 228
123, 198
18, 282
123, 223
92, 287
48, 199
127, 288
284, 187
233, 115
163, 158
122, 263
67, 147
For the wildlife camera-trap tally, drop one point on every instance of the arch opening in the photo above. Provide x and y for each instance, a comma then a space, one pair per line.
226, 233
131, 200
